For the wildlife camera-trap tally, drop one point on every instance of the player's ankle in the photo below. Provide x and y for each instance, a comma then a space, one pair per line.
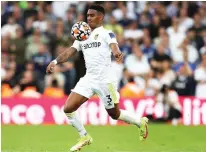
84, 134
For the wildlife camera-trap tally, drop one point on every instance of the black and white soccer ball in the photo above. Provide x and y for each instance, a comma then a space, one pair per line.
81, 31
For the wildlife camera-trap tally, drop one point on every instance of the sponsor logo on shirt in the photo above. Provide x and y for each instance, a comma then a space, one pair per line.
91, 45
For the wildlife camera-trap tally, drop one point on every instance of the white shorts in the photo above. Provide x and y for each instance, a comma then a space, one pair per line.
107, 92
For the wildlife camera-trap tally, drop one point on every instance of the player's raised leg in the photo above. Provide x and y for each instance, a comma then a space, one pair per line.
73, 102
126, 116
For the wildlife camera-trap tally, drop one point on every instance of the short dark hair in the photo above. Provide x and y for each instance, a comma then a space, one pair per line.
98, 8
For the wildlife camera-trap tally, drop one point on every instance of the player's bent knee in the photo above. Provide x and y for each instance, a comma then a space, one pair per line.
114, 116
68, 109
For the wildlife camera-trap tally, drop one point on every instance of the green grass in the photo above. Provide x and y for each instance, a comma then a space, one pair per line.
162, 138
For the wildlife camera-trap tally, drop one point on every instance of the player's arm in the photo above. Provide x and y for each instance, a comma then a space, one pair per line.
63, 57
116, 52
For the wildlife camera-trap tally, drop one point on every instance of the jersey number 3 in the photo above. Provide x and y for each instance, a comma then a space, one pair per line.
109, 101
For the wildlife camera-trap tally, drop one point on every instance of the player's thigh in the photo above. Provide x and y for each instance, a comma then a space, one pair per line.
81, 93
73, 102
109, 95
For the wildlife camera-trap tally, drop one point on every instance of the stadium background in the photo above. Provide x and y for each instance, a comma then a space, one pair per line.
163, 43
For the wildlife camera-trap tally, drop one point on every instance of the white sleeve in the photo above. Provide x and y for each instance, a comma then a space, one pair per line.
110, 37
76, 45
199, 75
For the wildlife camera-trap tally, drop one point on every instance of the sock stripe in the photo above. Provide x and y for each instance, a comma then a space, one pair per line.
70, 114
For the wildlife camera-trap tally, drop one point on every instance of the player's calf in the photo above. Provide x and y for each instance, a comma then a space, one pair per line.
114, 113
114, 116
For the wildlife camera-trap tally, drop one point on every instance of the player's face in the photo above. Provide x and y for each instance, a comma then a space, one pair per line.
93, 18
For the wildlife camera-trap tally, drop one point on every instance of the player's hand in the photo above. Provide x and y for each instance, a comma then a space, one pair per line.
119, 57
50, 67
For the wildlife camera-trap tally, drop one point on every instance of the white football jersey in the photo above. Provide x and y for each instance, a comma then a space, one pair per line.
97, 55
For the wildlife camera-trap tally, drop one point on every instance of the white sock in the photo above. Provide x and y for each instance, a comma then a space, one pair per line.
129, 118
76, 123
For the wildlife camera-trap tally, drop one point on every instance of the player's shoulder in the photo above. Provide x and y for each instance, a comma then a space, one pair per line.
108, 32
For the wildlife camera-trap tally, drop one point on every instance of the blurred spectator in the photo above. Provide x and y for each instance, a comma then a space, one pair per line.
68, 70
154, 27
58, 76
172, 9
40, 5
118, 68
197, 24
9, 29
30, 11
70, 75
38, 75
178, 55
184, 83
28, 29
195, 40
176, 33
152, 84
192, 7
124, 46
4, 48
200, 77
133, 32
9, 78
54, 91
40, 23
122, 15
42, 58
56, 5
33, 43
159, 56
204, 41
162, 38
185, 21
144, 21
165, 74
137, 63
121, 12
202, 13
62, 38
17, 46
27, 82
69, 22
165, 21
147, 47
171, 106
114, 26
108, 6
16, 14
49, 15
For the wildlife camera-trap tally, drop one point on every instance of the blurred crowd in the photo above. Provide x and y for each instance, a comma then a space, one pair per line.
163, 43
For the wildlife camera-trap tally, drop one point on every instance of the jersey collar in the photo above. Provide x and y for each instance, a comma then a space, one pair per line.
98, 28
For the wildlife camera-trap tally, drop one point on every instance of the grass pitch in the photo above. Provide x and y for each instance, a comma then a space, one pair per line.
162, 138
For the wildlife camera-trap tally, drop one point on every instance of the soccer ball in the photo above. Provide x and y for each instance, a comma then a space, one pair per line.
81, 31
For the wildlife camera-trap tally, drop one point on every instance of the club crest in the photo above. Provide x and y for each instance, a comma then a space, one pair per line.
96, 36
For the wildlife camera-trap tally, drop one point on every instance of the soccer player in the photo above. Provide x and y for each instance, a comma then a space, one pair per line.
99, 78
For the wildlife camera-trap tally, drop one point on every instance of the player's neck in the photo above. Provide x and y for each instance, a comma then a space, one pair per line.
97, 27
